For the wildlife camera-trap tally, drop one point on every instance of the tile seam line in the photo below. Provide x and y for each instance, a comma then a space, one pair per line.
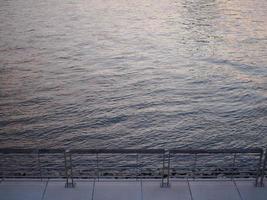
141, 183
238, 190
190, 191
43, 194
93, 191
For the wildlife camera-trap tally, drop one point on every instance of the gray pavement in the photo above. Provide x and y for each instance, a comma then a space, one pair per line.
131, 190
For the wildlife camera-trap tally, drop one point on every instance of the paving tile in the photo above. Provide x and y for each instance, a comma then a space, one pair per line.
117, 191
249, 192
214, 190
177, 191
57, 191
21, 190
131, 190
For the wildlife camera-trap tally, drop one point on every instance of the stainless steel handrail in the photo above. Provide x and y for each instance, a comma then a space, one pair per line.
136, 152
196, 152
115, 151
264, 168
164, 162
215, 151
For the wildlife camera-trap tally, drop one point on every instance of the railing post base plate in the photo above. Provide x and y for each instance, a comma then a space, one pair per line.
165, 185
70, 185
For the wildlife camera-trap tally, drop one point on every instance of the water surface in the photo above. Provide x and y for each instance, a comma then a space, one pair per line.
133, 74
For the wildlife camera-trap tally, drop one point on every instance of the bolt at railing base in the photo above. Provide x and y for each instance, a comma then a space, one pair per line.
165, 185
70, 185
259, 184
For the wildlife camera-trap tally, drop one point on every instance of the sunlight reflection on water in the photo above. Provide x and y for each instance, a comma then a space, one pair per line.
109, 74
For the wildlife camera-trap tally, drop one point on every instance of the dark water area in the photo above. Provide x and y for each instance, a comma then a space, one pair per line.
133, 74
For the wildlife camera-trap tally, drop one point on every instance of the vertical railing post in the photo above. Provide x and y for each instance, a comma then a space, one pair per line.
195, 165
68, 169
233, 166
137, 170
71, 172
168, 170
39, 165
2, 167
97, 167
163, 170
259, 169
263, 168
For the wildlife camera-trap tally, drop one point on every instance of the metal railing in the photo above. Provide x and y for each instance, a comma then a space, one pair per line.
124, 163
264, 168
133, 164
32, 163
223, 163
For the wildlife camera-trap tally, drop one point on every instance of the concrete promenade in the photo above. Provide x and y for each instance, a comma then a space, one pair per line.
131, 190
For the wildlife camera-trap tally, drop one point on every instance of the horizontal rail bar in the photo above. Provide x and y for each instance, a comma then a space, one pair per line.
128, 151
48, 151
119, 151
18, 151
30, 151
215, 151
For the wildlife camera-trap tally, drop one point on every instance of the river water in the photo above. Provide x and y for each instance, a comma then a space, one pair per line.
133, 74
